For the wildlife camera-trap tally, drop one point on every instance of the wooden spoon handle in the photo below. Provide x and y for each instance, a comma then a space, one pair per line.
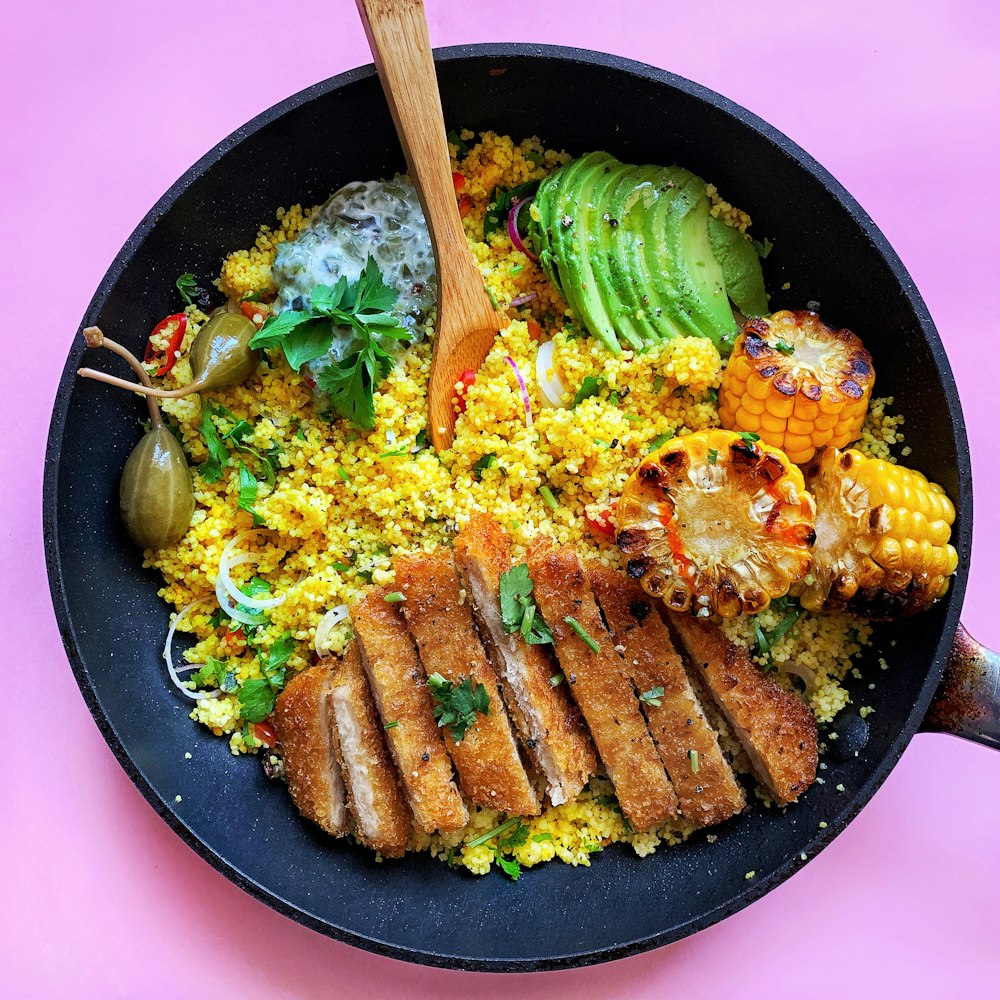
397, 34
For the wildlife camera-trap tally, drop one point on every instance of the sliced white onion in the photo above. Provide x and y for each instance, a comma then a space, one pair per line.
168, 655
223, 582
550, 388
326, 625
806, 674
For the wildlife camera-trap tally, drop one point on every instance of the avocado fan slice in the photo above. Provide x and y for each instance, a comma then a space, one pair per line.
740, 267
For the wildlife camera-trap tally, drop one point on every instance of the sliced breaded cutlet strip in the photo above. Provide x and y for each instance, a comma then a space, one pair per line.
399, 689
439, 616
303, 723
599, 683
381, 817
547, 722
705, 784
776, 728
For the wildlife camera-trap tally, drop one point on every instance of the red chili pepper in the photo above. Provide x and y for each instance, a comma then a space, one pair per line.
233, 635
464, 205
466, 379
256, 312
173, 345
264, 733
458, 180
534, 330
602, 526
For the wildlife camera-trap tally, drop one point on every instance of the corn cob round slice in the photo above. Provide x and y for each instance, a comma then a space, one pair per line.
716, 523
797, 383
881, 538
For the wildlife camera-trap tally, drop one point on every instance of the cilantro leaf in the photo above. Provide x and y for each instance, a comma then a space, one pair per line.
211, 670
351, 383
510, 867
456, 705
188, 287
591, 387
763, 249
307, 342
248, 494
517, 606
327, 298
272, 665
276, 328
373, 294
256, 698
218, 453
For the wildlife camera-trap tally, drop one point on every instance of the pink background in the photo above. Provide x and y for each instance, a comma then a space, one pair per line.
105, 105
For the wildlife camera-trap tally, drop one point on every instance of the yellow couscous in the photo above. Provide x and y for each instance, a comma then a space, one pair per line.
346, 502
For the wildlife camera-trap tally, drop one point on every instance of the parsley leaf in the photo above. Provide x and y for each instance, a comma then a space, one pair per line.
273, 664
461, 146
591, 387
248, 494
456, 705
517, 606
256, 700
500, 203
654, 696
510, 867
763, 249
189, 288
484, 463
218, 453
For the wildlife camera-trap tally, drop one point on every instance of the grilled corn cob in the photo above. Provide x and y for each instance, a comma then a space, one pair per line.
881, 538
797, 383
716, 523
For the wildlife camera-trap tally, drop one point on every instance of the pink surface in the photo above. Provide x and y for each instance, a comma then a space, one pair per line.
106, 104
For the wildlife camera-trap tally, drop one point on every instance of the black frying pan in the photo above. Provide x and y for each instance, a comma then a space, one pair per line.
113, 623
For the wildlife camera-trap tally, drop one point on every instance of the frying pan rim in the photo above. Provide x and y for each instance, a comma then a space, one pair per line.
755, 889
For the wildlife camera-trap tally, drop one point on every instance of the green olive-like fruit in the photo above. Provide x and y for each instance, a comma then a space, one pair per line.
156, 493
221, 356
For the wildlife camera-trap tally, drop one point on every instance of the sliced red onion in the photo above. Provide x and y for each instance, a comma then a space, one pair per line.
524, 299
168, 655
525, 398
515, 236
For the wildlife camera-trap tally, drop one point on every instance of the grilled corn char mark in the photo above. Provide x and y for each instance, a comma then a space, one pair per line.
548, 723
399, 687
306, 736
798, 383
714, 523
600, 685
882, 547
440, 620
776, 728
702, 777
381, 817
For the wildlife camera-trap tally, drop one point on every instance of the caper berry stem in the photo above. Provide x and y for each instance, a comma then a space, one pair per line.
94, 337
148, 390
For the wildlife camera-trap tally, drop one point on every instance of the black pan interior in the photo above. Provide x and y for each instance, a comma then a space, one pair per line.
114, 623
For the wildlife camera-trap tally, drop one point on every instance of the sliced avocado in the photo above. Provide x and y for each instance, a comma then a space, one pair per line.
740, 267
540, 230
571, 244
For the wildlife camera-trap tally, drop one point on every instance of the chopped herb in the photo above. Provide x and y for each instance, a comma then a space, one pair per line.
272, 665
344, 474
216, 618
654, 696
423, 440
500, 203
395, 597
633, 418
541, 838
450, 857
396, 453
763, 249
766, 641
658, 383
484, 463
712, 395
591, 387
660, 440
509, 866
391, 725
256, 296
495, 832
189, 288
340, 567
556, 679
592, 643
248, 495
785, 348
515, 270
549, 498
693, 758
301, 434
517, 606
749, 437
218, 453
532, 156
713, 454
256, 700
461, 146
211, 670
456, 705
304, 335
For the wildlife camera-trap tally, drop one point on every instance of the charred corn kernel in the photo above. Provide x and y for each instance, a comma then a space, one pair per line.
882, 536
715, 524
817, 395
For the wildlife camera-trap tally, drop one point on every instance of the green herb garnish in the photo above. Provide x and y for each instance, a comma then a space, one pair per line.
188, 286
218, 453
541, 838
391, 725
272, 664
658, 383
654, 696
749, 437
518, 608
549, 498
785, 348
693, 758
484, 463
364, 308
461, 146
248, 495
591, 387
395, 597
556, 679
763, 249
766, 641
660, 440
713, 454
256, 700
501, 202
456, 705
591, 642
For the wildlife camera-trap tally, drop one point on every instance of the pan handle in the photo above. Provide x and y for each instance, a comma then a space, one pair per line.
967, 703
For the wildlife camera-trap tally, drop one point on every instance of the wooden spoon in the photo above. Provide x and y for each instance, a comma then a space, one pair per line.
467, 321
